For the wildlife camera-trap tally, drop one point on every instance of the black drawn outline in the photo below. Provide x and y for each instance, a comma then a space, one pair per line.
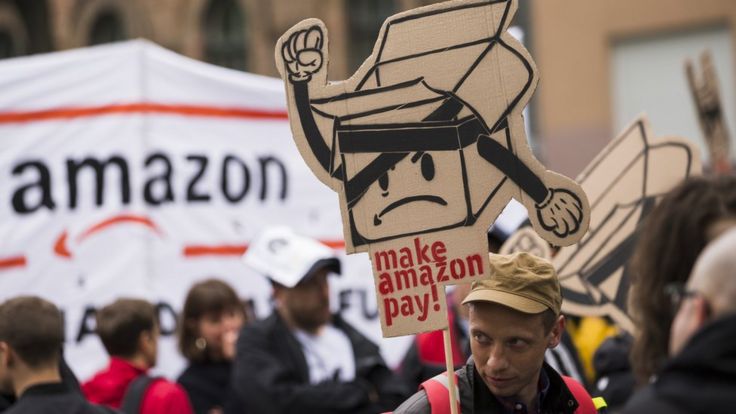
592, 272
503, 158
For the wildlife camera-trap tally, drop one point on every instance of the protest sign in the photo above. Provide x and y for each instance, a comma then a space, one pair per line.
706, 97
623, 183
527, 240
425, 145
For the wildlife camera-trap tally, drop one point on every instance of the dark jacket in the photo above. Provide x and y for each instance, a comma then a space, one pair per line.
475, 397
207, 384
271, 376
52, 399
700, 379
614, 379
67, 377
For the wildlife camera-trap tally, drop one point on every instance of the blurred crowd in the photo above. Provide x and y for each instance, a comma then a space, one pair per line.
513, 350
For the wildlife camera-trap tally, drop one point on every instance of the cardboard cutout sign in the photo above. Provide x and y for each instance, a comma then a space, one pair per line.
425, 145
623, 183
527, 240
707, 101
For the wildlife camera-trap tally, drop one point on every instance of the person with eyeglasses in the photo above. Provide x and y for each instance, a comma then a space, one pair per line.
700, 376
675, 232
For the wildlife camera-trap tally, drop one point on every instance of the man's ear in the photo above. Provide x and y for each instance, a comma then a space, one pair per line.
555, 334
7, 356
702, 309
145, 339
4, 353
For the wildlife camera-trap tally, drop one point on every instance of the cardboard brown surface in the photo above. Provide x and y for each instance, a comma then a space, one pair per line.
425, 145
527, 240
623, 183
705, 92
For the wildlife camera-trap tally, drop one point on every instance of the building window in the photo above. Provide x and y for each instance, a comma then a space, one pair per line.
365, 18
107, 28
224, 33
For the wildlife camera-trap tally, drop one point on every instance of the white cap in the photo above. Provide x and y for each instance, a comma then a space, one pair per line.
287, 258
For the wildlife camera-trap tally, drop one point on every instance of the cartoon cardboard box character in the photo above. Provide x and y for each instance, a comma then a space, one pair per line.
427, 136
624, 183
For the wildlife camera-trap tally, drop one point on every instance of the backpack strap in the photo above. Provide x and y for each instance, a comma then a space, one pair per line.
133, 398
438, 393
585, 401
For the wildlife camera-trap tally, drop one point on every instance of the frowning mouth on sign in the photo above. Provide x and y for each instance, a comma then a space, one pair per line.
431, 198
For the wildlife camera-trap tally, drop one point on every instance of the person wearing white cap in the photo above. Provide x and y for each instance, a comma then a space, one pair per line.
302, 358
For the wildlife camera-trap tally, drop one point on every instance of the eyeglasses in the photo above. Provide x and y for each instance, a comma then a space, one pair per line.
677, 292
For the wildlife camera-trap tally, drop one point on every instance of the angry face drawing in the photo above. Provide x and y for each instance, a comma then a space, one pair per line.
428, 134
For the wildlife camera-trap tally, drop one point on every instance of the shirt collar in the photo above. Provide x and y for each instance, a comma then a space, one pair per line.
512, 406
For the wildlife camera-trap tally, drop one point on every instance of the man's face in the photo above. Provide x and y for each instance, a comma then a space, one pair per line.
508, 348
693, 312
308, 303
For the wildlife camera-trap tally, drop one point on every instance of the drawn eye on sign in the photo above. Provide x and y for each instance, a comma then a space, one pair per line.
425, 143
623, 183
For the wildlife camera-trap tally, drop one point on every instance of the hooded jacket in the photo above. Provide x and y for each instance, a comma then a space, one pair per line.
700, 379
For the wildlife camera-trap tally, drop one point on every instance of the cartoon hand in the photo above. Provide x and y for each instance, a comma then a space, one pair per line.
302, 53
561, 212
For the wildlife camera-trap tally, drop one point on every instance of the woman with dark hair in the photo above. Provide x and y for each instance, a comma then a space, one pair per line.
673, 235
208, 330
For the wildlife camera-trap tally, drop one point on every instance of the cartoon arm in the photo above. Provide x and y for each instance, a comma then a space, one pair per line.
559, 210
303, 56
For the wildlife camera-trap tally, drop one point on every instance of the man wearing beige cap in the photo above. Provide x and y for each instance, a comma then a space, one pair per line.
514, 318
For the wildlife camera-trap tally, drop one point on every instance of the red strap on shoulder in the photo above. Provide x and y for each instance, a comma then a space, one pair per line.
431, 345
438, 393
585, 401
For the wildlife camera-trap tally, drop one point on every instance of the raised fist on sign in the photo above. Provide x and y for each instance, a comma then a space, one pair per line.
425, 145
302, 54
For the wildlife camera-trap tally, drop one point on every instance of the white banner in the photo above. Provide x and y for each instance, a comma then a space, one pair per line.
127, 170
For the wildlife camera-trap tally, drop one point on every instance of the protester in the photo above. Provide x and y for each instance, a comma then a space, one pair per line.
672, 237
303, 359
514, 318
129, 331
208, 330
31, 336
701, 375
425, 357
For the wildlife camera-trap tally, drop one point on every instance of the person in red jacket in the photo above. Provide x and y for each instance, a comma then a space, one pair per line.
514, 318
129, 331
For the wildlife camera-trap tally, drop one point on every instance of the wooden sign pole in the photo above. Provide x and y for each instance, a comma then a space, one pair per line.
451, 386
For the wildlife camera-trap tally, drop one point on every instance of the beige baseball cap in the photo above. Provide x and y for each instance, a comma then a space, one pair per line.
520, 281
